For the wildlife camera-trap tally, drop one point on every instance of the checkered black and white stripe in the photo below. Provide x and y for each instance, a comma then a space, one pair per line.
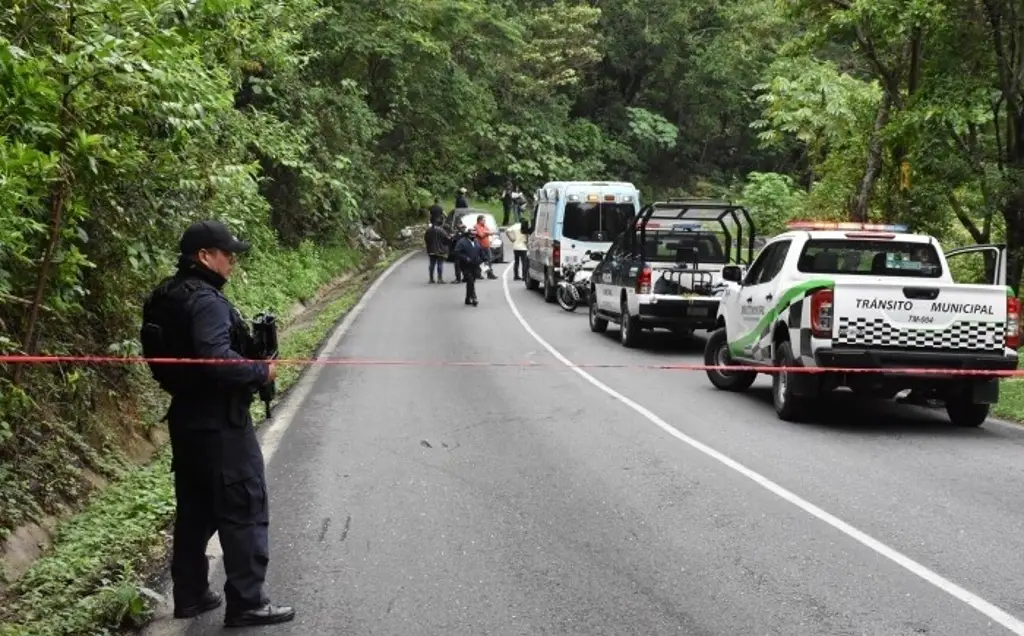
964, 335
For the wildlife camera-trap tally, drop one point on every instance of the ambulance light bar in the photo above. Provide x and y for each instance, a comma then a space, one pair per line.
831, 225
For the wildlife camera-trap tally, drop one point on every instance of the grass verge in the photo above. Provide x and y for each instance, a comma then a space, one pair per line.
1011, 398
90, 581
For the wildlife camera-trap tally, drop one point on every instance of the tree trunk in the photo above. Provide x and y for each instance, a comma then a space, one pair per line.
1014, 215
858, 210
58, 199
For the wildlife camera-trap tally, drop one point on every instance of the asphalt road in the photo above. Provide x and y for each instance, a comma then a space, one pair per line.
428, 499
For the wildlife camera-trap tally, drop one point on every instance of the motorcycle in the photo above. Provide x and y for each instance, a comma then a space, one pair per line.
574, 288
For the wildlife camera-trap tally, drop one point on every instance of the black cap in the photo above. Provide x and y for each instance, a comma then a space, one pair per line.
205, 235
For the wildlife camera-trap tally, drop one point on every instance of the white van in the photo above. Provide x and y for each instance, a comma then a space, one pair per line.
571, 218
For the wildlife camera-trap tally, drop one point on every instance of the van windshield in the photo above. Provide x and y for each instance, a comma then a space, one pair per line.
598, 222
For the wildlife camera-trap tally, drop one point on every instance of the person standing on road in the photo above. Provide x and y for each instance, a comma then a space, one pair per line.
484, 236
219, 473
516, 235
437, 248
506, 202
436, 212
518, 201
469, 254
453, 257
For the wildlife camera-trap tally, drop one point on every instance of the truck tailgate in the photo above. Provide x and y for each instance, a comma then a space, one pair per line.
919, 315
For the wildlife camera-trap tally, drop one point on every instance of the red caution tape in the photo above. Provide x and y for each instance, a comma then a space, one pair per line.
22, 359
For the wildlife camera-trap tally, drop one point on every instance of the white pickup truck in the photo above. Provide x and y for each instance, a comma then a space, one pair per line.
857, 297
664, 270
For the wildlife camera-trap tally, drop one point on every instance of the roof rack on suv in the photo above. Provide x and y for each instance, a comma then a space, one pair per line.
703, 210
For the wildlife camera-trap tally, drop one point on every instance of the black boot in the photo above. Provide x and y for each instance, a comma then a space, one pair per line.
187, 609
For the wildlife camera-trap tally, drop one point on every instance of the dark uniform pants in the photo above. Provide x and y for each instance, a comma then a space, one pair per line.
234, 505
469, 274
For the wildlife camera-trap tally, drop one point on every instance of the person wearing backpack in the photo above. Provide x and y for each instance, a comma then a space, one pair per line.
458, 232
219, 473
437, 241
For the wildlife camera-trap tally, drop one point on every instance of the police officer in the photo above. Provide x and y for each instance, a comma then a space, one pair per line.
218, 466
470, 256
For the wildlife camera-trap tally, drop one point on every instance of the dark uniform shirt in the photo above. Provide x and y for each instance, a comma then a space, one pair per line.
210, 425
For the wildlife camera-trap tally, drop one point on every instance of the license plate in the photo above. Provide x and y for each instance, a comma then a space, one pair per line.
698, 311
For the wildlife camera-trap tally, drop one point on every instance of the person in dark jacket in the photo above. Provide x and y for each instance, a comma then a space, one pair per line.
506, 203
219, 480
453, 258
470, 256
460, 200
437, 249
436, 212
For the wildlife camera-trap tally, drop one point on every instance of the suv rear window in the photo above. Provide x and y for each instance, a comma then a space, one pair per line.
599, 222
680, 247
870, 258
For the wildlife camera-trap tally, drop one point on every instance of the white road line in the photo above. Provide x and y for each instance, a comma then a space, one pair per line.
271, 436
996, 614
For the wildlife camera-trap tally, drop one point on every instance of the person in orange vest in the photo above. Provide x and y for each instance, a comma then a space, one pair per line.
484, 236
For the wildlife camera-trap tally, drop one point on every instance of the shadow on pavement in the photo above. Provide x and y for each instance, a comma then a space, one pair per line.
845, 412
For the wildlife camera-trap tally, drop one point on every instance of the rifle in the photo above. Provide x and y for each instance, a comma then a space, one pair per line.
264, 336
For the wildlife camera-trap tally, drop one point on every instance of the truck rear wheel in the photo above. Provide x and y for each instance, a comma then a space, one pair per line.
629, 329
597, 323
716, 353
788, 406
963, 412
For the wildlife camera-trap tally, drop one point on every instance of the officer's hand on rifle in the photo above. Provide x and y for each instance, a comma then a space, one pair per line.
271, 372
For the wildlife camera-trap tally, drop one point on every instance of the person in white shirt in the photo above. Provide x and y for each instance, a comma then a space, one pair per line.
518, 201
516, 234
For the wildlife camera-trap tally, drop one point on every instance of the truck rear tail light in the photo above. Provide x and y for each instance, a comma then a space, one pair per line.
643, 281
821, 313
1013, 322
556, 254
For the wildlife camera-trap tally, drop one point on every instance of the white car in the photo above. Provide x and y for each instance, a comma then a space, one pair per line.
859, 297
468, 216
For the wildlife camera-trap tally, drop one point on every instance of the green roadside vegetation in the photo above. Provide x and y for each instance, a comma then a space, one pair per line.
90, 581
301, 122
1011, 399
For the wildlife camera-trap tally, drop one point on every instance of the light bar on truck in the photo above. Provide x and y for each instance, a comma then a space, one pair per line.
609, 197
832, 225
685, 225
627, 198
592, 198
574, 197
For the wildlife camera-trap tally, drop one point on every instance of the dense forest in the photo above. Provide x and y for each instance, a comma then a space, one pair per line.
300, 121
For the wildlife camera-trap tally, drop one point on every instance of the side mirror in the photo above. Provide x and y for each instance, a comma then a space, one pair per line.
732, 273
596, 256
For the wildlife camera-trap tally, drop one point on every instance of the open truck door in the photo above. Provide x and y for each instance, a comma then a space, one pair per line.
978, 264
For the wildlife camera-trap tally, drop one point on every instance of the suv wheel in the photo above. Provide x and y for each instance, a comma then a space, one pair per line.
789, 407
629, 330
597, 323
716, 353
